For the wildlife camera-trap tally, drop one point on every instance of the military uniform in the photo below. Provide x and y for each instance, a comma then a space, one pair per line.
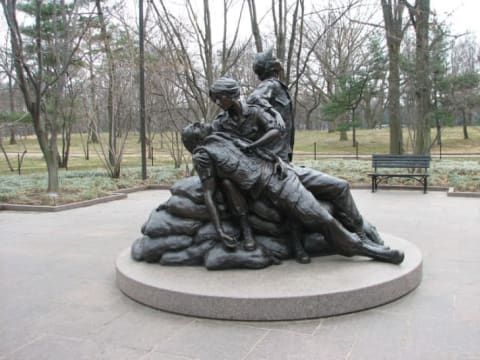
252, 124
218, 157
275, 93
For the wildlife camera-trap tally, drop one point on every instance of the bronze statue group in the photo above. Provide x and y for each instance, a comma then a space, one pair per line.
249, 207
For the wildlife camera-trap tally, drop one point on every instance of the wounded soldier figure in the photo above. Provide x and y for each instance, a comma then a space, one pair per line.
216, 157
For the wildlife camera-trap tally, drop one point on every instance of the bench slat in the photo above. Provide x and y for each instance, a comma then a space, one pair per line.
400, 161
405, 164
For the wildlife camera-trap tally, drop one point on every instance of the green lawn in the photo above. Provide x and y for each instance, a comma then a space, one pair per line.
377, 141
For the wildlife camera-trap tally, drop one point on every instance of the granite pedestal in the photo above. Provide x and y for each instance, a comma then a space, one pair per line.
330, 285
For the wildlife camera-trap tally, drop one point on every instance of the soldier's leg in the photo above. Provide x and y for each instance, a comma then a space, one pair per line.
334, 190
238, 205
300, 203
298, 249
345, 242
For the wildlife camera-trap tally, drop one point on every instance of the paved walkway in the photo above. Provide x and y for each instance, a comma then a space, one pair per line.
58, 298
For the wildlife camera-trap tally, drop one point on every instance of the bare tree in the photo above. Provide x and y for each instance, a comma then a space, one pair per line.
394, 32
91, 81
112, 124
464, 80
439, 48
420, 14
339, 52
32, 79
8, 70
168, 110
192, 53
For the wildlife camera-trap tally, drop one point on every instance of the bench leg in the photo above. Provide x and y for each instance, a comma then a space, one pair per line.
374, 184
425, 185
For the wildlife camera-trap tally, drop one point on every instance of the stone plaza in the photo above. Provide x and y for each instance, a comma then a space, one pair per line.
60, 300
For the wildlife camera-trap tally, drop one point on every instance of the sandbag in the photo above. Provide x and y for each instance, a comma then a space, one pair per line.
136, 251
151, 250
162, 223
276, 246
185, 207
315, 244
265, 211
190, 187
266, 227
208, 232
219, 258
194, 255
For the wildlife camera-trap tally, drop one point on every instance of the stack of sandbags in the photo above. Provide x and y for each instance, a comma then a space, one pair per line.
179, 232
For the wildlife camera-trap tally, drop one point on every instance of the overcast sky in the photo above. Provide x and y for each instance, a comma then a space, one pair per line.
463, 15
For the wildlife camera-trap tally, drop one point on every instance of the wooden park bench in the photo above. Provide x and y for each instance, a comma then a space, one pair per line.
412, 163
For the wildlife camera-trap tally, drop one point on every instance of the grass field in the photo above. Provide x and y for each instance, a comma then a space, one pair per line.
86, 179
378, 140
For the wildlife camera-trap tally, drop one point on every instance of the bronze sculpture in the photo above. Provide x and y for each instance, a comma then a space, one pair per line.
272, 91
247, 192
217, 157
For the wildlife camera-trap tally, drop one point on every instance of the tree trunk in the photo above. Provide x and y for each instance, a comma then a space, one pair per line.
354, 135
11, 100
396, 134
254, 25
465, 125
439, 132
207, 44
422, 83
308, 122
52, 167
343, 125
438, 124
66, 144
308, 118
279, 12
6, 155
112, 126
392, 14
368, 110
13, 140
48, 146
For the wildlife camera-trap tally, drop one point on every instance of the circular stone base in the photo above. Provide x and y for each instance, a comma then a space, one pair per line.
329, 285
